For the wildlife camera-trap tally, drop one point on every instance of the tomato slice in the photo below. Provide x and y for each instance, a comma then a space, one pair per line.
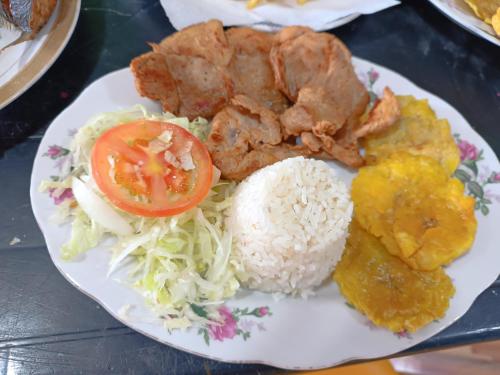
139, 167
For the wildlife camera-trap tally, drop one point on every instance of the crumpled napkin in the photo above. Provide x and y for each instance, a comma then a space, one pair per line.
271, 16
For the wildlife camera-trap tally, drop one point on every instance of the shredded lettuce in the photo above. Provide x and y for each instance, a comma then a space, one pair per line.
85, 234
178, 262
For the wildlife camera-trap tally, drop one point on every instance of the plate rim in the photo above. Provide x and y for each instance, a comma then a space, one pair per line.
43, 59
443, 8
115, 314
270, 26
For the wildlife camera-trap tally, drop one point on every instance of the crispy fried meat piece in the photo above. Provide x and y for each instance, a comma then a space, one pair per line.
202, 87
195, 71
204, 40
154, 80
246, 136
384, 114
286, 65
315, 71
343, 145
250, 69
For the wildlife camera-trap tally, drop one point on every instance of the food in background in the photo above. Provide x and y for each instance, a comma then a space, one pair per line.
289, 223
495, 21
29, 16
389, 292
419, 213
419, 132
487, 10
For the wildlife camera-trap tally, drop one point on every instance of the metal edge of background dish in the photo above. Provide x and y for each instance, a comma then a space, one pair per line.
48, 53
470, 28
465, 308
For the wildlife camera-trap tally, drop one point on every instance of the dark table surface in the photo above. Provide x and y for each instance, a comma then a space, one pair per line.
47, 326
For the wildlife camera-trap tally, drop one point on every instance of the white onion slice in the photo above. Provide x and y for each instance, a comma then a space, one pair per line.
98, 210
215, 176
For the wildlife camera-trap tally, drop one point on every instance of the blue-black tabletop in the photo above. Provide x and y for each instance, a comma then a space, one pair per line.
47, 326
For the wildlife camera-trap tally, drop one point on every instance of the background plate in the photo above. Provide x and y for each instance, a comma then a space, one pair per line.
21, 66
292, 333
271, 16
459, 12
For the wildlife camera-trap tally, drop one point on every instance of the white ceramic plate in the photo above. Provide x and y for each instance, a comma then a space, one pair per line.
462, 14
23, 64
292, 333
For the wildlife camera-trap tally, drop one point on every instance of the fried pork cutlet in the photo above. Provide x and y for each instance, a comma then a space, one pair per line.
250, 68
315, 71
154, 80
245, 137
194, 69
244, 80
207, 68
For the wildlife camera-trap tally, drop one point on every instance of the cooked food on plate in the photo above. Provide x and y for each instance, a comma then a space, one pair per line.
246, 136
385, 289
419, 132
147, 180
289, 223
488, 11
251, 70
419, 213
315, 72
194, 65
301, 79
258, 110
151, 168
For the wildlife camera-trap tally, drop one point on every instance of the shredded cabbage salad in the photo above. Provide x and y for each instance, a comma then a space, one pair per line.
178, 262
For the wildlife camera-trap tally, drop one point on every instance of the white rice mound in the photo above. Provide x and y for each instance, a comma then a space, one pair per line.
289, 223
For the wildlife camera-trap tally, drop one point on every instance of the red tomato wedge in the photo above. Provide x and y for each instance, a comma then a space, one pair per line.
139, 167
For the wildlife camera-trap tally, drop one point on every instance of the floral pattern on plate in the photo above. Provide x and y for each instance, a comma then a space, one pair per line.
236, 322
476, 176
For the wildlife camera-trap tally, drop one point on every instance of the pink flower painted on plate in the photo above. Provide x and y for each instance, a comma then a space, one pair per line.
403, 335
495, 177
226, 329
373, 75
263, 311
467, 151
56, 151
231, 322
60, 197
476, 176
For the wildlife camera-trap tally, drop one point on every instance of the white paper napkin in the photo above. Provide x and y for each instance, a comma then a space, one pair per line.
317, 14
